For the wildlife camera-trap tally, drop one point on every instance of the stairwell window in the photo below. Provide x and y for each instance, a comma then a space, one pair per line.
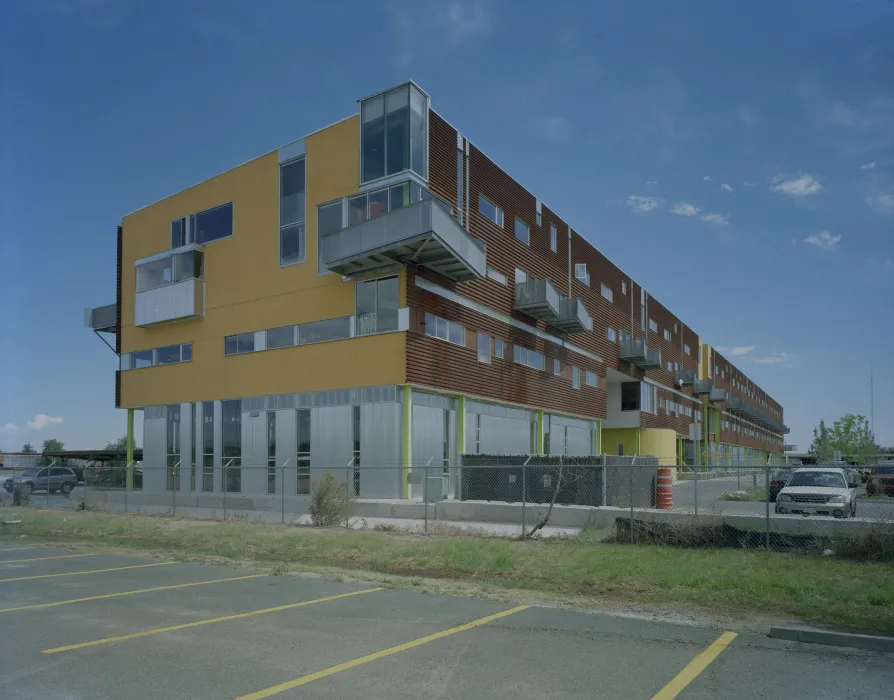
607, 292
522, 232
553, 238
624, 288
490, 210
291, 212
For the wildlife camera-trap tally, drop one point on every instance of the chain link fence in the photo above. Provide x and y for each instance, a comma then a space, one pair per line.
601, 498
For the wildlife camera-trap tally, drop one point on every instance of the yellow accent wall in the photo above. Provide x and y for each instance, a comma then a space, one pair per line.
661, 443
247, 290
612, 437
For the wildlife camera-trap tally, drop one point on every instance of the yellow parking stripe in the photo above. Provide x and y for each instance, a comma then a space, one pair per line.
199, 623
695, 667
63, 556
116, 595
310, 677
82, 573
16, 549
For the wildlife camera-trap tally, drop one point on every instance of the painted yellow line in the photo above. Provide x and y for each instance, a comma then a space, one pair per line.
16, 549
210, 621
82, 573
695, 667
62, 556
332, 670
117, 595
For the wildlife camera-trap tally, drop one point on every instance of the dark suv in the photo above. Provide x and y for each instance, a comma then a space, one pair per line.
44, 478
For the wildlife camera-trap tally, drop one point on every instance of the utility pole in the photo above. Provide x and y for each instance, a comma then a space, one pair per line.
871, 402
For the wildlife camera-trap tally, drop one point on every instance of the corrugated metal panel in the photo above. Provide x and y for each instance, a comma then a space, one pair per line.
187, 431
218, 447
331, 441
380, 446
578, 442
287, 449
505, 435
428, 442
491, 409
424, 398
154, 449
254, 452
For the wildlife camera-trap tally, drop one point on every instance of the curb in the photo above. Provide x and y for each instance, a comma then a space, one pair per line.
838, 639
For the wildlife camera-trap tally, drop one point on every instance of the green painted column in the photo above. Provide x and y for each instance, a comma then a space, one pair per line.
461, 425
129, 457
406, 453
597, 438
639, 434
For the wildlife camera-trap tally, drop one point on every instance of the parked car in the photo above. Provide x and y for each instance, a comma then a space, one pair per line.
778, 480
818, 491
881, 480
44, 478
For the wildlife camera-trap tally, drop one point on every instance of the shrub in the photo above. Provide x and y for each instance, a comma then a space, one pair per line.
21, 495
327, 502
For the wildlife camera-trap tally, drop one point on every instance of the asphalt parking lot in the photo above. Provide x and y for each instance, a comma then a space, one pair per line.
78, 624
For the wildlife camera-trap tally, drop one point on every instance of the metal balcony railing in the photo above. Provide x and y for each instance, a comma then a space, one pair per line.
637, 352
573, 317
685, 377
537, 299
702, 386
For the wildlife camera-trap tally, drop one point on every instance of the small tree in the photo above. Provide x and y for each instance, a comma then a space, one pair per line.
327, 501
28, 449
821, 447
49, 445
850, 435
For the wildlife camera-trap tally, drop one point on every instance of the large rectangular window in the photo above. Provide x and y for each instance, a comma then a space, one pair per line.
170, 269
522, 232
321, 331
282, 337
496, 275
238, 344
231, 417
630, 395
214, 224
291, 212
592, 379
530, 358
303, 462
376, 306
393, 133
441, 328
490, 210
208, 446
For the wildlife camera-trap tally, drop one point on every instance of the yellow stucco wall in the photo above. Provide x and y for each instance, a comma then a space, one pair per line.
661, 443
612, 437
247, 290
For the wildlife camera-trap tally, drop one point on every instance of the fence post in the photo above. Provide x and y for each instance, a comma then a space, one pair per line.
348, 485
767, 502
695, 489
86, 491
49, 469
425, 493
633, 461
176, 485
525, 495
282, 488
225, 488
126, 485
604, 483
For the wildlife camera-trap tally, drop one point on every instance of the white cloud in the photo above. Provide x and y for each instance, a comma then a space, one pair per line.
464, 20
640, 204
775, 358
685, 209
803, 186
867, 166
8, 428
726, 188
99, 15
883, 204
708, 178
718, 219
42, 420
824, 240
436, 27
737, 350
555, 128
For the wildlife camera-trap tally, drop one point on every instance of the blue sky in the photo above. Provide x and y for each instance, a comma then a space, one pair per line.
736, 158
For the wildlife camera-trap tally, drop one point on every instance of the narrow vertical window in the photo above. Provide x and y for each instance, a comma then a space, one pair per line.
553, 238
291, 212
208, 446
271, 451
303, 461
173, 447
231, 417
356, 436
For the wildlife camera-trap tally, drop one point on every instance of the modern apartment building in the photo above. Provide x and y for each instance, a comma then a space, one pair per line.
381, 293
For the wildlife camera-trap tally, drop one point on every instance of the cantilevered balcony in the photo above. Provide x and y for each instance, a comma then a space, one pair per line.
685, 377
718, 394
637, 352
102, 319
170, 286
423, 233
573, 317
537, 299
702, 386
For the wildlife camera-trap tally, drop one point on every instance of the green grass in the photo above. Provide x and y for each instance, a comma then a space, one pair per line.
754, 493
856, 595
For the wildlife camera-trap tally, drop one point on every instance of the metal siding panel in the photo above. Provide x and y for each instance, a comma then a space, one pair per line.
330, 440
154, 457
578, 442
428, 442
218, 447
186, 444
254, 453
286, 450
505, 436
380, 446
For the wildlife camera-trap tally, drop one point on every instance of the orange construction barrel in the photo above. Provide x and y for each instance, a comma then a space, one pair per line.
665, 488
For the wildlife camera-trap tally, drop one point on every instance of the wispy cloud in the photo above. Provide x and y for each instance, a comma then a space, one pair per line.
42, 420
884, 204
8, 428
802, 186
708, 178
726, 188
717, 219
868, 166
737, 350
775, 358
99, 15
824, 240
554, 128
640, 204
685, 209
432, 23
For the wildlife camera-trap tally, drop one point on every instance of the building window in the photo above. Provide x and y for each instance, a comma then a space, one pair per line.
323, 331
624, 336
610, 335
291, 212
539, 215
591, 379
231, 421
575, 377
676, 366
623, 287
521, 276
648, 397
496, 275
214, 224
452, 332
530, 358
238, 344
630, 395
208, 446
670, 366
653, 326
282, 337
557, 367
376, 306
490, 210
170, 269
355, 463
303, 461
686, 349
522, 232
329, 220
173, 447
271, 451
606, 292
484, 348
498, 348
667, 335
553, 238
393, 133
